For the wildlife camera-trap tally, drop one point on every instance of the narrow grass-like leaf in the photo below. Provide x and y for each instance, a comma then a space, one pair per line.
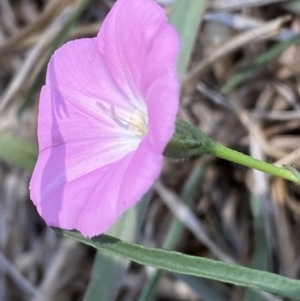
192, 265
17, 151
175, 231
204, 288
108, 270
65, 31
189, 193
186, 16
292, 6
201, 286
260, 258
261, 61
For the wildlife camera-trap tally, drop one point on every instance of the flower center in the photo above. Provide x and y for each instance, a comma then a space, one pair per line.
137, 124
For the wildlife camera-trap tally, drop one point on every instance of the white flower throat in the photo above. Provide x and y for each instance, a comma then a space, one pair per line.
136, 123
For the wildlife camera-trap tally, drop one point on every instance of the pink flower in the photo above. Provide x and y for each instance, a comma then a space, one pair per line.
106, 113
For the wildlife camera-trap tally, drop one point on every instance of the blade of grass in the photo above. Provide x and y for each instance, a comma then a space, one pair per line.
263, 31
204, 289
260, 258
17, 151
66, 30
192, 265
292, 5
108, 270
261, 61
186, 16
175, 231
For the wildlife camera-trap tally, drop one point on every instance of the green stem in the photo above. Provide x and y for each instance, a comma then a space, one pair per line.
223, 152
189, 141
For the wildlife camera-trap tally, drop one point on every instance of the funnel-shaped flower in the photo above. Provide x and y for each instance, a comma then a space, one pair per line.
106, 113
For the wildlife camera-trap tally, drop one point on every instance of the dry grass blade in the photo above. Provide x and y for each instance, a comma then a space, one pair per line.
289, 159
36, 58
239, 4
243, 22
264, 31
88, 30
22, 282
50, 286
8, 16
53, 9
254, 128
284, 231
187, 217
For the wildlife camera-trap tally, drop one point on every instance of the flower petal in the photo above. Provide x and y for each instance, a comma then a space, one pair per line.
145, 67
88, 204
91, 167
120, 186
93, 202
160, 85
79, 74
126, 38
73, 144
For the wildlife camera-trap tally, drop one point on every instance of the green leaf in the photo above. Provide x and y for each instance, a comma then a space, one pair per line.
17, 151
108, 270
260, 62
292, 6
260, 257
186, 16
204, 288
175, 230
192, 265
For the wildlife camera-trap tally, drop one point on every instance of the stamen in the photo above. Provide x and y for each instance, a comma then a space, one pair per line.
137, 123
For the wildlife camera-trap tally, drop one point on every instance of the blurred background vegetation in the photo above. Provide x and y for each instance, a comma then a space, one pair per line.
240, 74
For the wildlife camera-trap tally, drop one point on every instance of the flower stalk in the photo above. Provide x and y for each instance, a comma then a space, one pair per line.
189, 141
223, 152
